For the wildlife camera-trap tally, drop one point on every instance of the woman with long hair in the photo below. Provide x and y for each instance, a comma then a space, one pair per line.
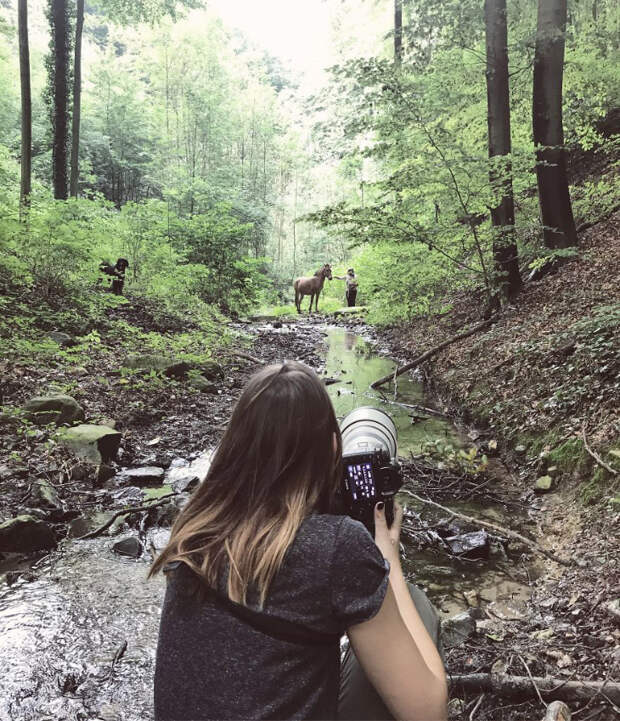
264, 577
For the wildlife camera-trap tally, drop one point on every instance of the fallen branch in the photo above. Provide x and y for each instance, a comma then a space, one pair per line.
494, 527
432, 352
415, 407
125, 512
597, 458
248, 357
521, 687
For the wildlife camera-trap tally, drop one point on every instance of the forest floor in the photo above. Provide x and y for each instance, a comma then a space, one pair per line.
532, 383
537, 382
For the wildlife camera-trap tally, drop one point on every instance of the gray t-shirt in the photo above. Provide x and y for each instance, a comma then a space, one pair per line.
213, 665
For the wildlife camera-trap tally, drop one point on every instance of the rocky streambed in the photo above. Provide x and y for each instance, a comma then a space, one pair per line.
78, 619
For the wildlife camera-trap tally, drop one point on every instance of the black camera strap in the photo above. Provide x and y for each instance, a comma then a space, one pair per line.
278, 628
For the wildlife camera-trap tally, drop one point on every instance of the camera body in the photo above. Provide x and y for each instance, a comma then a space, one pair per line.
371, 471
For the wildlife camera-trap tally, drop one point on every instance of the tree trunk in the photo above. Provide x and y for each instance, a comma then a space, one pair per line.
500, 172
398, 31
60, 96
77, 99
26, 99
554, 199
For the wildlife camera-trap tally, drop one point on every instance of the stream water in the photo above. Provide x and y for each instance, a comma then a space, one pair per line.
78, 642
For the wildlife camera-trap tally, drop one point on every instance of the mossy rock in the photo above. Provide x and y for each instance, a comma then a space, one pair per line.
24, 534
544, 484
97, 444
55, 408
202, 384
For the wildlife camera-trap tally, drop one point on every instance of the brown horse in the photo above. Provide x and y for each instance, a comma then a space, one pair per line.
312, 287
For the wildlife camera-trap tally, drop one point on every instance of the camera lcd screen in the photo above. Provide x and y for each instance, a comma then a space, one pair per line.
361, 480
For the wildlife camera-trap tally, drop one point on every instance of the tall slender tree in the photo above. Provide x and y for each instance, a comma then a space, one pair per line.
26, 102
59, 67
77, 97
500, 169
398, 31
554, 198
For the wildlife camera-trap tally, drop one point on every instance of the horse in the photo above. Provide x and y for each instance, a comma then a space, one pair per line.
312, 287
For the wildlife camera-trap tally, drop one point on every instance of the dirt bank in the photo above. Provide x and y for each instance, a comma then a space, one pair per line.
537, 381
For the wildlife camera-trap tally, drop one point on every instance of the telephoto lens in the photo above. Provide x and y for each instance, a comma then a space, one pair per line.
370, 463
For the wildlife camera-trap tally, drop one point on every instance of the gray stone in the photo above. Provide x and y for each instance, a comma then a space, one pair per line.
203, 384
129, 546
470, 545
143, 476
24, 534
45, 494
64, 340
457, 629
185, 484
54, 408
520, 449
97, 444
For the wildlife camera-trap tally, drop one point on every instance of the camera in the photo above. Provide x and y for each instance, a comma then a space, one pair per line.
371, 471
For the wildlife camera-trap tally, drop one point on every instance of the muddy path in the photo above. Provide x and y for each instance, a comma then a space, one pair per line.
78, 627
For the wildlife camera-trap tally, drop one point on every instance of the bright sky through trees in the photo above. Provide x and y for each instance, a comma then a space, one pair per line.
295, 30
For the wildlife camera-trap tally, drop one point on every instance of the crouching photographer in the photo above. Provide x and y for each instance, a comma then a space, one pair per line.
265, 574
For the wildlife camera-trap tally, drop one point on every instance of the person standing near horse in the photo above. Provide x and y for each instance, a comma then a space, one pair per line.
351, 282
312, 287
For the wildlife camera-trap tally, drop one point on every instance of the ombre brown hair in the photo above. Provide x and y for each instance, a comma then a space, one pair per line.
278, 461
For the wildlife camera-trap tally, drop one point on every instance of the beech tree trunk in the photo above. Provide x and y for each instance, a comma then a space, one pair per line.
77, 100
554, 199
398, 31
500, 171
60, 96
26, 102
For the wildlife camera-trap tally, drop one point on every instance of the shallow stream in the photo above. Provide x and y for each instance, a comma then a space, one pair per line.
78, 642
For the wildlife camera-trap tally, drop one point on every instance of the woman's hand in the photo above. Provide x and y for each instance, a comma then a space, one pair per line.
388, 538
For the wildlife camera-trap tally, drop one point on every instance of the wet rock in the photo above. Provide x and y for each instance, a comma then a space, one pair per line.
277, 324
129, 546
64, 340
45, 495
203, 384
544, 484
185, 484
98, 444
55, 408
144, 476
470, 545
24, 534
457, 629
330, 381
104, 473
